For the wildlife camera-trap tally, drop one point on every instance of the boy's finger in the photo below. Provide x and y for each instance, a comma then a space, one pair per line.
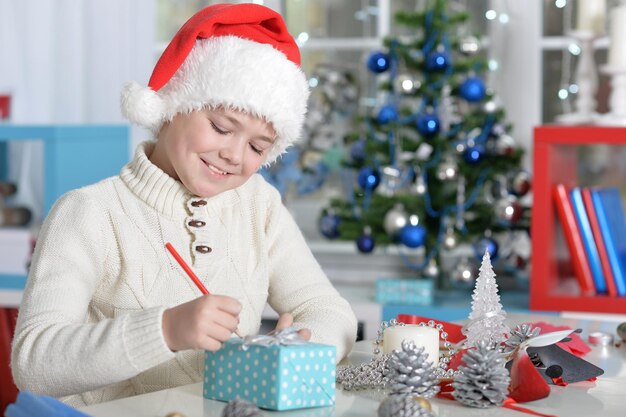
284, 321
305, 333
229, 305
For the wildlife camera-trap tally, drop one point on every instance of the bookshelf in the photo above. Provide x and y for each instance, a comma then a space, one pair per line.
73, 156
557, 154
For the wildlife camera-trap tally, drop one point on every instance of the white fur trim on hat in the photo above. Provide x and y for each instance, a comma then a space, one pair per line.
229, 72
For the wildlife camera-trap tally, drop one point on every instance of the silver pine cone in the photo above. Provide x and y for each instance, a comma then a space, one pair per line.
483, 381
402, 406
521, 333
241, 408
408, 372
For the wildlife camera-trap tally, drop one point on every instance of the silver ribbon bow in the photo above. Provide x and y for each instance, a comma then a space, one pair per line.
287, 336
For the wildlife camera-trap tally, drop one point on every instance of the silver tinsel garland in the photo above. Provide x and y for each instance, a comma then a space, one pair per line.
368, 375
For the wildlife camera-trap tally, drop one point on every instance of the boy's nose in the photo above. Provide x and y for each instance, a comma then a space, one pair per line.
233, 150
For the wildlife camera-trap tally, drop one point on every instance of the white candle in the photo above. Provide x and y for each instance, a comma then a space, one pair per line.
590, 15
428, 337
617, 49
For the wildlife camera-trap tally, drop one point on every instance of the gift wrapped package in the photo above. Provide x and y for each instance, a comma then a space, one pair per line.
272, 375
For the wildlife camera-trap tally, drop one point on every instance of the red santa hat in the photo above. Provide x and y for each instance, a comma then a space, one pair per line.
237, 56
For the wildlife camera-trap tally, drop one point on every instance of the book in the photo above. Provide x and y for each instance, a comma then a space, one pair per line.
599, 239
589, 242
573, 238
610, 213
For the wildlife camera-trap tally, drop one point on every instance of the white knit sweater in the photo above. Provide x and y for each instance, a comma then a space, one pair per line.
89, 327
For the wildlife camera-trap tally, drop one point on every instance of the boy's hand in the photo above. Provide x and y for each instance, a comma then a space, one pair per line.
285, 320
203, 323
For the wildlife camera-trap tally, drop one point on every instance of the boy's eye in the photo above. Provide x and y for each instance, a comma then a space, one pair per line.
256, 149
218, 130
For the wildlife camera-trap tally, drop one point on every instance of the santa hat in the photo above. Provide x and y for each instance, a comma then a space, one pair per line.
237, 56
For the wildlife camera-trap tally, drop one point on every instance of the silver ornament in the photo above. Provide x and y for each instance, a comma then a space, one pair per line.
405, 84
490, 107
469, 45
419, 186
462, 275
495, 189
520, 183
395, 219
431, 270
498, 129
447, 170
507, 210
504, 145
391, 180
449, 238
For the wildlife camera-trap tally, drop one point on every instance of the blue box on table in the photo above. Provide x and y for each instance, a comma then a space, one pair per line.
408, 291
278, 377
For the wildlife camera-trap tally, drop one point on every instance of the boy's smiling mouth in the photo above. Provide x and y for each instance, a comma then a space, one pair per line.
216, 170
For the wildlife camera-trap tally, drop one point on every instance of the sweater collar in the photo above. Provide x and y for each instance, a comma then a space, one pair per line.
152, 185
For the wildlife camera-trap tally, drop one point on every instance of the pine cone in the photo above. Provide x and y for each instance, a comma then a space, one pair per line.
483, 381
402, 406
241, 408
521, 333
408, 372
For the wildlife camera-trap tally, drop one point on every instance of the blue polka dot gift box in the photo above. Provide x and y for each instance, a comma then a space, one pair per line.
279, 372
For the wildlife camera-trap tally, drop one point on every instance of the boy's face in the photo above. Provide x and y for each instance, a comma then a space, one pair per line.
212, 151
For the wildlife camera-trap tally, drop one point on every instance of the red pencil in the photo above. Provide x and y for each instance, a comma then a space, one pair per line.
188, 270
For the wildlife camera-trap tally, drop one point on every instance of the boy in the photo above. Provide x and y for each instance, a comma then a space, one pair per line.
107, 313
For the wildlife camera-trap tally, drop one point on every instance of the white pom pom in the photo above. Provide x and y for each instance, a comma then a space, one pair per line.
142, 105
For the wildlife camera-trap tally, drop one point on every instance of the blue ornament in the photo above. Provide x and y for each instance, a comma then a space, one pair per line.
474, 154
357, 151
329, 226
473, 89
428, 124
413, 236
388, 113
365, 243
437, 61
378, 62
486, 244
368, 178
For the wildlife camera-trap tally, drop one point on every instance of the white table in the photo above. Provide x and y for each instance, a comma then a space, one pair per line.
605, 397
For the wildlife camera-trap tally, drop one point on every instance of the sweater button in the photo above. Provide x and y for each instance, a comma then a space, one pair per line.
203, 249
198, 203
196, 223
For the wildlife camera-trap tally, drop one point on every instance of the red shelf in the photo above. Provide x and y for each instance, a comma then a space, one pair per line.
553, 286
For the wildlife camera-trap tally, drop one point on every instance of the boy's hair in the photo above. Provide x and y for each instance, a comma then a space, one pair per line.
235, 56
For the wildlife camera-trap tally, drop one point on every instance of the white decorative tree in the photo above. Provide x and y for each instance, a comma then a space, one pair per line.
487, 316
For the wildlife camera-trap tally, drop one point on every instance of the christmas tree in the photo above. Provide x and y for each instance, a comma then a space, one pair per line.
433, 165
487, 316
